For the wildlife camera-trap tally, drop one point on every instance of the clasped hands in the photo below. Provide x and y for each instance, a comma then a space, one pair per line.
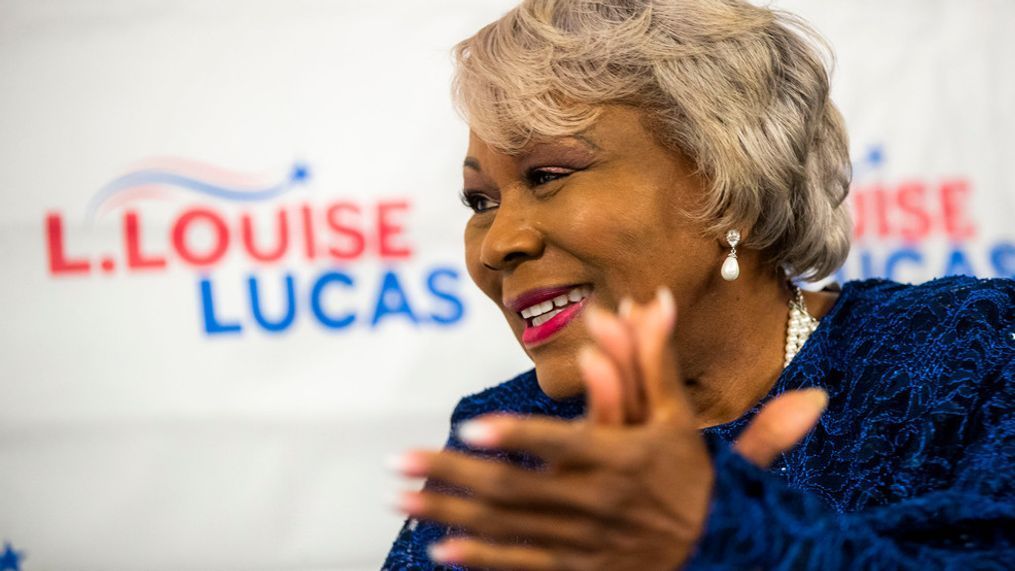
626, 487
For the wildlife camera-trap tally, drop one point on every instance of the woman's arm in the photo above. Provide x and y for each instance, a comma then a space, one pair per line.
757, 521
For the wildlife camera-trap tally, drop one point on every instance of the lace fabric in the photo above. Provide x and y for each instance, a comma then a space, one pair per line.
912, 466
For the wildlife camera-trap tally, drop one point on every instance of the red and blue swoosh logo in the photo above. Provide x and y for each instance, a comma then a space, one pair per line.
159, 179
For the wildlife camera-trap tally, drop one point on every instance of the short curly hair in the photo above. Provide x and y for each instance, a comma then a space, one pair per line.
740, 89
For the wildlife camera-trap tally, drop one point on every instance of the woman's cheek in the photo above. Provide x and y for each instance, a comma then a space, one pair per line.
473, 248
604, 232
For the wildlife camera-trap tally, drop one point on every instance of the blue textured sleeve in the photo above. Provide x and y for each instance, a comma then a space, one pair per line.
757, 521
913, 466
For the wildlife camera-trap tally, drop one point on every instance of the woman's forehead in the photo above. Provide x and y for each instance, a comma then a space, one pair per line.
614, 126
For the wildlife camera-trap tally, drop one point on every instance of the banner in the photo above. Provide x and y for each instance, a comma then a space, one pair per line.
233, 268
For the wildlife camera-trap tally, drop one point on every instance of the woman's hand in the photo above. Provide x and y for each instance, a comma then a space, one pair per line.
780, 424
625, 488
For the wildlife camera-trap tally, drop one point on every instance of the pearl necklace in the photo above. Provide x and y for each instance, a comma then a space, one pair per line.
800, 326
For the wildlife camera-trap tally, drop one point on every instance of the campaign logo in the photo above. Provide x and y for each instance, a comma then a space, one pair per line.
272, 224
917, 228
158, 178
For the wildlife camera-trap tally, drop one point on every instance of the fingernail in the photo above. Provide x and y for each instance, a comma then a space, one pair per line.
818, 396
406, 463
477, 432
593, 318
601, 323
440, 553
624, 309
587, 358
410, 503
667, 307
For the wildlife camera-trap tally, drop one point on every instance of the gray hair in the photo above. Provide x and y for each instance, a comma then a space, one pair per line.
742, 90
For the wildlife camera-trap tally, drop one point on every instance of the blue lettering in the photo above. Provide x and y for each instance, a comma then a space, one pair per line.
255, 306
212, 325
867, 265
958, 265
456, 308
899, 255
1002, 256
340, 322
391, 300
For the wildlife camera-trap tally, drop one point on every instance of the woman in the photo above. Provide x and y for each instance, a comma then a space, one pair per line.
679, 162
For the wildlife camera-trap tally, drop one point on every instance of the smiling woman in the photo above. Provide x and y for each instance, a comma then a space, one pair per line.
649, 180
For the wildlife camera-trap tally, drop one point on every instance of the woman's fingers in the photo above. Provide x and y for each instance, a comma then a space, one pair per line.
615, 340
500, 484
501, 523
560, 442
604, 389
653, 324
780, 425
480, 554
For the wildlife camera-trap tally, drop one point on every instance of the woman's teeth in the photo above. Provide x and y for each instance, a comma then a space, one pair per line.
536, 321
540, 313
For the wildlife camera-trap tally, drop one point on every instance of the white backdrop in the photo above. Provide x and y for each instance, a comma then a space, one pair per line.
171, 170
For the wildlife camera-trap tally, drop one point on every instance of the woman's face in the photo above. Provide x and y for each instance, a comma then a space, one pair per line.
578, 220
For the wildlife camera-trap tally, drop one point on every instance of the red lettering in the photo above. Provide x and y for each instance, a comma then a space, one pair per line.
136, 259
308, 233
220, 240
911, 200
860, 214
281, 242
954, 197
881, 209
59, 262
357, 242
388, 229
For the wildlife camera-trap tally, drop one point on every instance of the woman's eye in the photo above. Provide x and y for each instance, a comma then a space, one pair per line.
477, 201
537, 177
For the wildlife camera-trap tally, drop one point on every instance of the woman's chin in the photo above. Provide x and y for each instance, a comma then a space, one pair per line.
559, 381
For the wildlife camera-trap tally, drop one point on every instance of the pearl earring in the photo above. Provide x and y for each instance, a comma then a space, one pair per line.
730, 268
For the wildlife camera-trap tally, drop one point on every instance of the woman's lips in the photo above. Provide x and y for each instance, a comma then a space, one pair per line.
537, 334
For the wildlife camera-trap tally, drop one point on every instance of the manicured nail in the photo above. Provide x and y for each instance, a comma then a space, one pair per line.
407, 463
477, 433
392, 500
817, 396
588, 359
667, 307
602, 324
593, 319
410, 503
625, 307
440, 553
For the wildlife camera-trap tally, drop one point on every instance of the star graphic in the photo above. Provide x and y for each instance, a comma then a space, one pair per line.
300, 173
10, 560
875, 156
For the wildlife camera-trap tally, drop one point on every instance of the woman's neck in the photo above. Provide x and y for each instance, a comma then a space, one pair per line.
732, 351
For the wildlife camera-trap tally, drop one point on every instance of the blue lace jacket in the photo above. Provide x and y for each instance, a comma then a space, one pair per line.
910, 467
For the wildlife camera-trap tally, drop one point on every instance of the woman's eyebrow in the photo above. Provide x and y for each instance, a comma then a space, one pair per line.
473, 163
577, 143
581, 137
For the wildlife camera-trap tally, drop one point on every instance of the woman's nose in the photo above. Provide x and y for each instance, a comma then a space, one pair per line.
511, 240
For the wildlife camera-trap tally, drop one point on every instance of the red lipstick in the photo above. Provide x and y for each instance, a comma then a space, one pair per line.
548, 310
535, 335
